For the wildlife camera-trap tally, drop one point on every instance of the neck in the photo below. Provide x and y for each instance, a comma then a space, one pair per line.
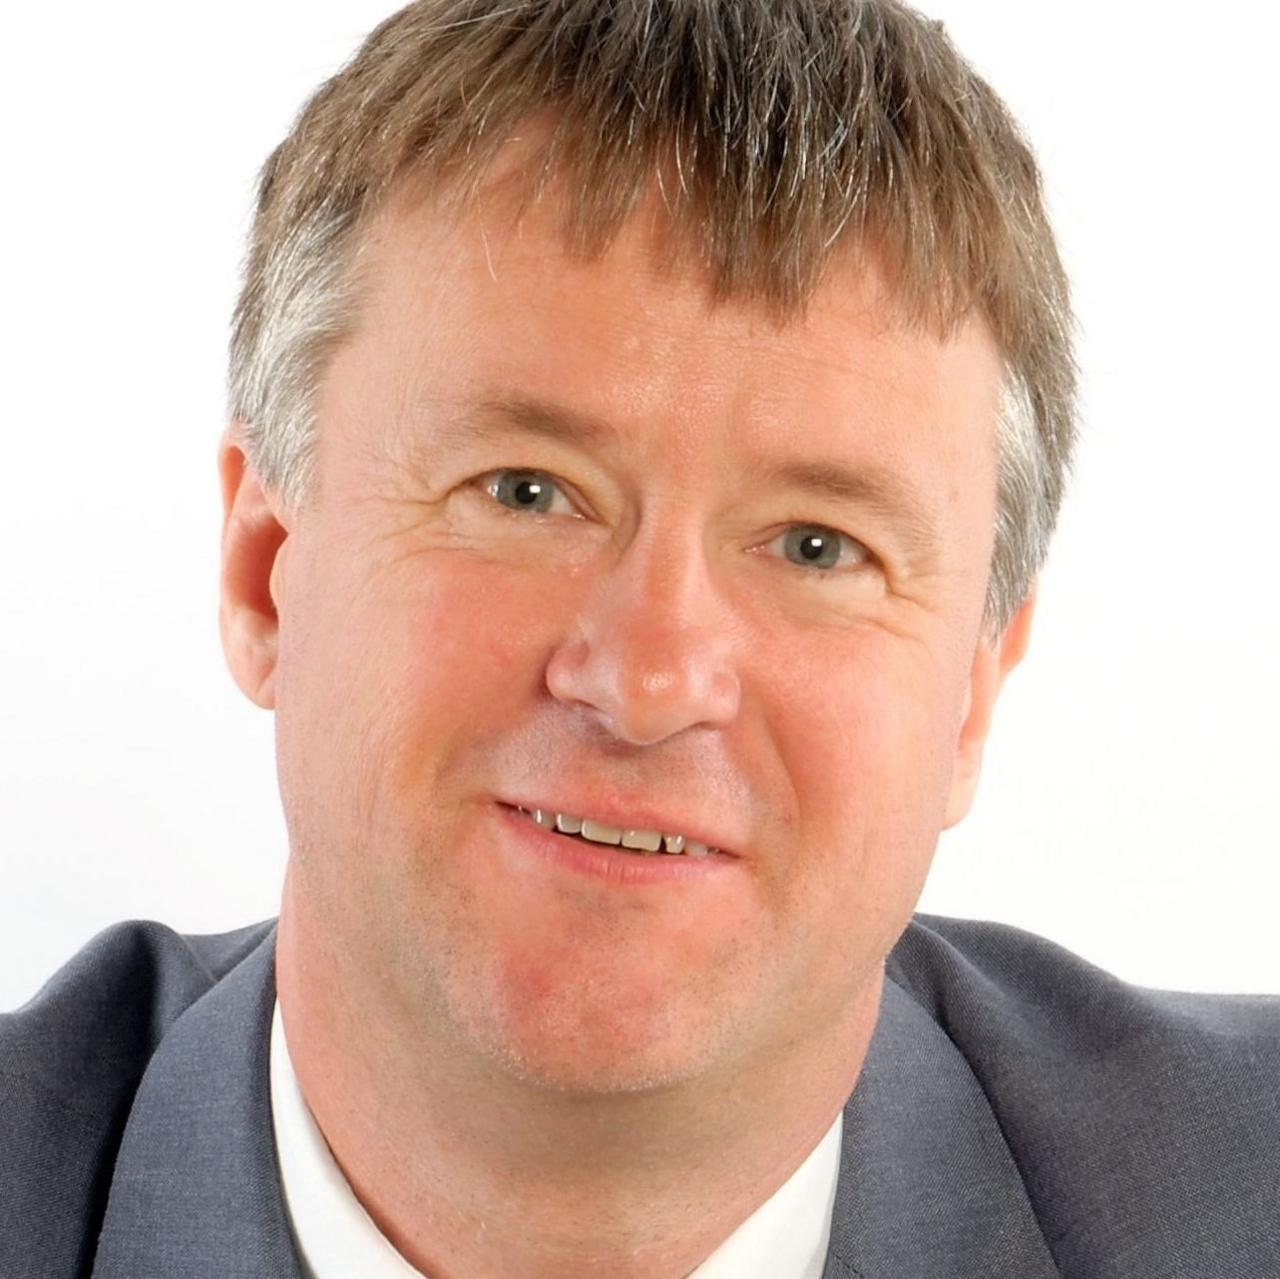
474, 1174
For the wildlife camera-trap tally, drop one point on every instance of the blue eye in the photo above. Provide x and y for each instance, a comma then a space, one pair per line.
815, 546
525, 491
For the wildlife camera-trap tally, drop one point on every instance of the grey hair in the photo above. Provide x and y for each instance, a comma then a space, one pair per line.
307, 302
795, 128
1027, 497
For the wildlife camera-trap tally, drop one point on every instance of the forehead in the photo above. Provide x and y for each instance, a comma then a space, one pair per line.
504, 263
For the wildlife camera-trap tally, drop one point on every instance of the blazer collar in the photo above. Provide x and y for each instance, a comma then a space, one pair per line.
927, 1186
196, 1189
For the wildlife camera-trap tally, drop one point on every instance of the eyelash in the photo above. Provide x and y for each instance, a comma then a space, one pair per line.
491, 480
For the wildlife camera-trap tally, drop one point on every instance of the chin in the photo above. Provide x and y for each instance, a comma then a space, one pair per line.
598, 1070
586, 1076
594, 1042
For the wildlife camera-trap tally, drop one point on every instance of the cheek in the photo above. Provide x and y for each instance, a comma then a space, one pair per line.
453, 649
868, 751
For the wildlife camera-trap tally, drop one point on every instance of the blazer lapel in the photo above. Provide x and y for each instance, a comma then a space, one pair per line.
928, 1188
196, 1189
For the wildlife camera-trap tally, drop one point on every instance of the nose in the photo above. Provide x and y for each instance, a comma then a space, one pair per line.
650, 650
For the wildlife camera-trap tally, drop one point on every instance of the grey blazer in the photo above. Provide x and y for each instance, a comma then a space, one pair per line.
1020, 1115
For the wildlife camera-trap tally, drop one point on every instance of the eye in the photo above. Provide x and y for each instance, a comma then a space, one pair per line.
816, 546
522, 490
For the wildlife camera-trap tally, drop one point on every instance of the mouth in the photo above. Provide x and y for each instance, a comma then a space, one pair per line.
635, 840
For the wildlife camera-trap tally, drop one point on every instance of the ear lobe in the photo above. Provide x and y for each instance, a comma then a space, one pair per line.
252, 583
993, 660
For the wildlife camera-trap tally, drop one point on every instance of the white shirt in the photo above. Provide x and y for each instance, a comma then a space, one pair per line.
785, 1238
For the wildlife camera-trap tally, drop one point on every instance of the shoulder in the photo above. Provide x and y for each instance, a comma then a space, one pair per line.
70, 1061
983, 979
95, 1023
1132, 1113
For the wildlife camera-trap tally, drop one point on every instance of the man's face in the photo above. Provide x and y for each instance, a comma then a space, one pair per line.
584, 541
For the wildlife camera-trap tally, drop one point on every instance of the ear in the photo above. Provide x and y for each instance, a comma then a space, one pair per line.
994, 659
253, 560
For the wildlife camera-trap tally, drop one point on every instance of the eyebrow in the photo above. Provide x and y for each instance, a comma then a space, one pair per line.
539, 419
883, 492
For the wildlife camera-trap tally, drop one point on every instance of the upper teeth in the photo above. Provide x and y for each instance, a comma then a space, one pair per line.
647, 841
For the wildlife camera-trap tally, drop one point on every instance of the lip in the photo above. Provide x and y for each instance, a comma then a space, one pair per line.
533, 846
637, 816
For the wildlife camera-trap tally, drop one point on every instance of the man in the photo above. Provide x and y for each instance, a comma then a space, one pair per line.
649, 421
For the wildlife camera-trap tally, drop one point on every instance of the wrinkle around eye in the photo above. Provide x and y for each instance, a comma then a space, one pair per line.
470, 519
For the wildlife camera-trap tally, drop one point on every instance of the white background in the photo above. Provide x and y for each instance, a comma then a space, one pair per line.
1128, 804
